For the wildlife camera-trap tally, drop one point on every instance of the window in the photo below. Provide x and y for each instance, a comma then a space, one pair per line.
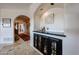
6, 22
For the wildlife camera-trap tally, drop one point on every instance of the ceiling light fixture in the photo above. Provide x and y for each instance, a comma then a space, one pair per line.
51, 3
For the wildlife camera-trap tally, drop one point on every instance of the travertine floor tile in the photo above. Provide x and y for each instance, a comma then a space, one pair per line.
19, 48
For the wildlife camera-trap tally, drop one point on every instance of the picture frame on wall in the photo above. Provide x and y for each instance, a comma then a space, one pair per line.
6, 22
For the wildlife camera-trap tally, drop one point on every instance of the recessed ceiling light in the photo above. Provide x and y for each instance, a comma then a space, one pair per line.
51, 3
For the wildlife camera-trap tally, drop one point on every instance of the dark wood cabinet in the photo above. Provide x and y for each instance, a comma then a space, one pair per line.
48, 45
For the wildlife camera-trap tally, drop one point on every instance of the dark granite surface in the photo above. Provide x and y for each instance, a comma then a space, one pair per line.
52, 33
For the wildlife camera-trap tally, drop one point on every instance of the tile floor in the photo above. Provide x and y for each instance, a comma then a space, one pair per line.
18, 48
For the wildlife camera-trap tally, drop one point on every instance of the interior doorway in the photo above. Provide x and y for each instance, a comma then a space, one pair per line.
22, 28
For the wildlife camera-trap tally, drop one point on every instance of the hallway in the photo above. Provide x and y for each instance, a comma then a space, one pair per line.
21, 47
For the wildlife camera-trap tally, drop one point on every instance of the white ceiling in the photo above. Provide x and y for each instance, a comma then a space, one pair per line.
15, 5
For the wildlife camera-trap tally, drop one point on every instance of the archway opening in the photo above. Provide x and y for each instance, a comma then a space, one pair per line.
22, 28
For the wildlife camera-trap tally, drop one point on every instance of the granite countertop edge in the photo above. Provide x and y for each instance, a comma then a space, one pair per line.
61, 35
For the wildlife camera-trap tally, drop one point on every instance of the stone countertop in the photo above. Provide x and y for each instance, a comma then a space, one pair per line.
54, 34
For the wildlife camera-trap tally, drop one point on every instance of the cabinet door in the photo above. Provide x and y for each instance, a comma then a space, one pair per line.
49, 47
39, 42
59, 47
35, 40
44, 45
53, 47
56, 46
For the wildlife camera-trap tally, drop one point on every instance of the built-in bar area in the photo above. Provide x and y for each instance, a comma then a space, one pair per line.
48, 34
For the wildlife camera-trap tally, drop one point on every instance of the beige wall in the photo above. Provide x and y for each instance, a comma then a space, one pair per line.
37, 21
71, 42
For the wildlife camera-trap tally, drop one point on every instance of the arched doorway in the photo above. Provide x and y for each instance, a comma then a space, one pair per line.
22, 28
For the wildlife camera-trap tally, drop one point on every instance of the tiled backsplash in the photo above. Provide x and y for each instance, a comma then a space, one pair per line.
52, 28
